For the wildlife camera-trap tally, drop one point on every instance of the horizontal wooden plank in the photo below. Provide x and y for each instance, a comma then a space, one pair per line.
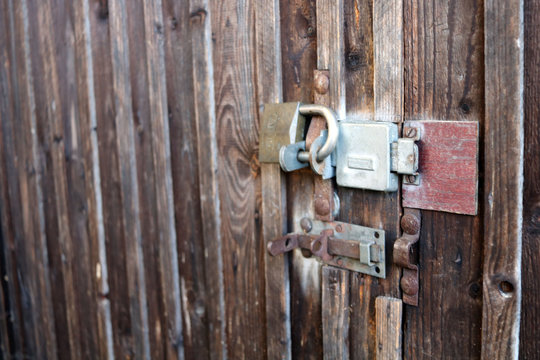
448, 167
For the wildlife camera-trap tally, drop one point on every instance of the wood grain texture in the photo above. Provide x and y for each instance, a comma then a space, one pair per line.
129, 186
27, 191
299, 58
444, 80
179, 66
117, 293
369, 208
93, 278
503, 218
169, 289
389, 316
239, 172
13, 336
358, 57
388, 60
529, 335
330, 51
448, 164
274, 210
335, 313
207, 152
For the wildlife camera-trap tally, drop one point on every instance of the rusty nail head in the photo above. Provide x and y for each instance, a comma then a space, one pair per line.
306, 224
409, 285
410, 132
322, 207
321, 83
340, 262
410, 224
339, 228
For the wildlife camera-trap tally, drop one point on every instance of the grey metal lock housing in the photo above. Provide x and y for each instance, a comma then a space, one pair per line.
370, 156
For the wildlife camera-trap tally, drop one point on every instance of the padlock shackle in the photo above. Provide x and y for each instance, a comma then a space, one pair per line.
331, 123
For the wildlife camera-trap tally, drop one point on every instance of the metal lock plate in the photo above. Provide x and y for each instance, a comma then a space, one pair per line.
364, 157
281, 125
371, 251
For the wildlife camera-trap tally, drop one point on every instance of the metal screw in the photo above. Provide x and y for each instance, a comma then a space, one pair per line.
321, 83
410, 132
411, 179
339, 228
306, 224
322, 207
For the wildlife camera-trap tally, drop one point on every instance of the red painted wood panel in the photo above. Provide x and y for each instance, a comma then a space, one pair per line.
448, 167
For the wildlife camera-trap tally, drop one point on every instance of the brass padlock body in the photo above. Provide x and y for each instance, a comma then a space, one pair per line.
281, 125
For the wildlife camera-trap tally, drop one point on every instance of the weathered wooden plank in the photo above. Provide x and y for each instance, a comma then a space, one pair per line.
129, 186
503, 218
207, 152
529, 333
31, 242
239, 177
169, 292
274, 214
143, 117
335, 313
94, 310
358, 58
330, 51
13, 336
299, 59
184, 167
388, 60
444, 80
389, 316
116, 295
58, 118
368, 208
448, 165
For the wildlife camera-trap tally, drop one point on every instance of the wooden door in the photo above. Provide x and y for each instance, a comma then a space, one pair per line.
135, 212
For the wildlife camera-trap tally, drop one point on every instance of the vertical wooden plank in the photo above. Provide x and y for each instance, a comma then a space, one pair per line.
274, 215
388, 316
186, 190
374, 209
529, 338
299, 59
13, 336
503, 219
239, 177
388, 59
359, 58
128, 177
167, 247
115, 243
335, 313
444, 80
31, 243
330, 51
207, 152
97, 337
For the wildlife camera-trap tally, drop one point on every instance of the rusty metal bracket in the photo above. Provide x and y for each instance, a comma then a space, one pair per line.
405, 255
343, 245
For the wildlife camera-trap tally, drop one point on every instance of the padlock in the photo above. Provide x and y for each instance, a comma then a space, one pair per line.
282, 128
281, 125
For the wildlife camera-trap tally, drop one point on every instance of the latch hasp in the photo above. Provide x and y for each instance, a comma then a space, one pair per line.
448, 167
